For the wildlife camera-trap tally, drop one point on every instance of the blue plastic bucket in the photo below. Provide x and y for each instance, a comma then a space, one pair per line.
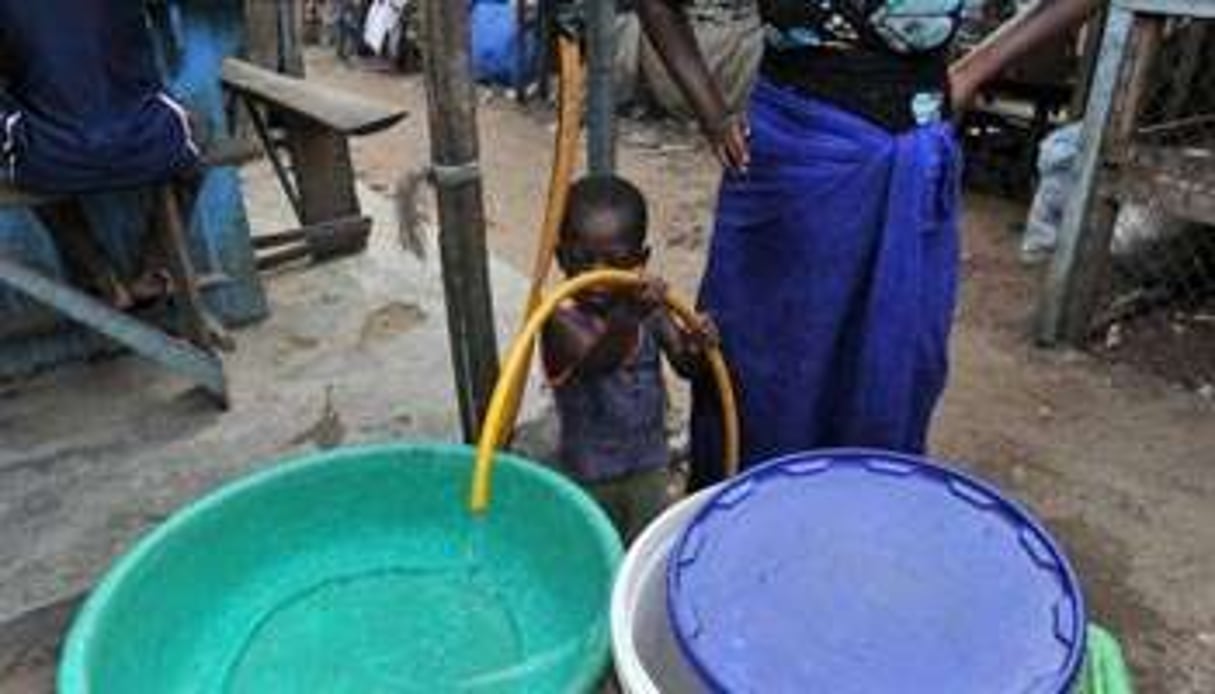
497, 43
859, 571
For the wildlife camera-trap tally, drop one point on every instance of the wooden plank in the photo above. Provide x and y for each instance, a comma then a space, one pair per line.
271, 147
1094, 30
202, 329
324, 176
1181, 181
1173, 195
339, 111
200, 366
1055, 320
1146, 39
318, 243
222, 152
1202, 9
1183, 79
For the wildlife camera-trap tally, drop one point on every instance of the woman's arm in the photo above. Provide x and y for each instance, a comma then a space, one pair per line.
1045, 21
671, 34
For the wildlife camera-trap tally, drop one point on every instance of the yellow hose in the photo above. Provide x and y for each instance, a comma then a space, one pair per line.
569, 129
499, 419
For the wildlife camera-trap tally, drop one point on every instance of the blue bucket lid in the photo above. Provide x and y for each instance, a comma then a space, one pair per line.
862, 571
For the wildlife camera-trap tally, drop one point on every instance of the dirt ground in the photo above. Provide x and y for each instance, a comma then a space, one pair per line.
1118, 463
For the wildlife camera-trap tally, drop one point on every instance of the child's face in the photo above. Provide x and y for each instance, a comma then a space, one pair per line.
601, 244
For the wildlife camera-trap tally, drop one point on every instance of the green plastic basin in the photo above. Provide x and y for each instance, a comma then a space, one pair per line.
358, 570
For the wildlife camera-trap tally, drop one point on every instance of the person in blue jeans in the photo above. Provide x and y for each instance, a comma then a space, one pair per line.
83, 109
603, 353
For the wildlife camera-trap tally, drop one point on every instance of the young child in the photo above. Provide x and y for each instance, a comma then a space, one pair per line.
602, 353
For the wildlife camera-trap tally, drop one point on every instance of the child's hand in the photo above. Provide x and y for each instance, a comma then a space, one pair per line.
703, 335
652, 294
632, 305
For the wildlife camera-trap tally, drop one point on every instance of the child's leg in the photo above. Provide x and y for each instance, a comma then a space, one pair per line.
647, 495
633, 500
613, 499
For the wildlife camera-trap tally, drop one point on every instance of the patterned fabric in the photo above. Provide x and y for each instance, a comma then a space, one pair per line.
885, 60
904, 26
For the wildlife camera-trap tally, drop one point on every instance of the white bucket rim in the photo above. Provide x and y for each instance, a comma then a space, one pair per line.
646, 551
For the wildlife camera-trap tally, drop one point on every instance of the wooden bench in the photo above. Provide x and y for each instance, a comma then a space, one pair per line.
196, 357
317, 174
317, 177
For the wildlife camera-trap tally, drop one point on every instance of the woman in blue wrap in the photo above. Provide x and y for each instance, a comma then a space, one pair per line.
833, 268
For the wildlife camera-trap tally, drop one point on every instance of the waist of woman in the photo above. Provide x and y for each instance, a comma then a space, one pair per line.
896, 92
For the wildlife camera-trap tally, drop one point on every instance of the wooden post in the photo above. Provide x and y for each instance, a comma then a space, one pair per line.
452, 107
272, 30
290, 29
1090, 49
1078, 272
261, 33
601, 97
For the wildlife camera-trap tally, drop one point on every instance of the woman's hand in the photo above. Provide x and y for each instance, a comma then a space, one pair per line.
963, 89
667, 27
730, 143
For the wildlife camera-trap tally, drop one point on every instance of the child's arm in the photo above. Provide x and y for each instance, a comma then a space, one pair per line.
577, 341
686, 348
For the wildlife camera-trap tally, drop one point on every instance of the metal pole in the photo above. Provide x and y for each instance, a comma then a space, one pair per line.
451, 101
601, 98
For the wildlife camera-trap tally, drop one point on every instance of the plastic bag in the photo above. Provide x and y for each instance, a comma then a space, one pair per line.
1057, 179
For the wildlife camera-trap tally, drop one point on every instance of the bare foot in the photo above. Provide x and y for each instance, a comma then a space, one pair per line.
150, 287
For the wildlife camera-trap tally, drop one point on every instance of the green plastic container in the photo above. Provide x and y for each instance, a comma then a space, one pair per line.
1104, 669
358, 570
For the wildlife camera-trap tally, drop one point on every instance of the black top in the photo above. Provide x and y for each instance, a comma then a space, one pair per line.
885, 60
